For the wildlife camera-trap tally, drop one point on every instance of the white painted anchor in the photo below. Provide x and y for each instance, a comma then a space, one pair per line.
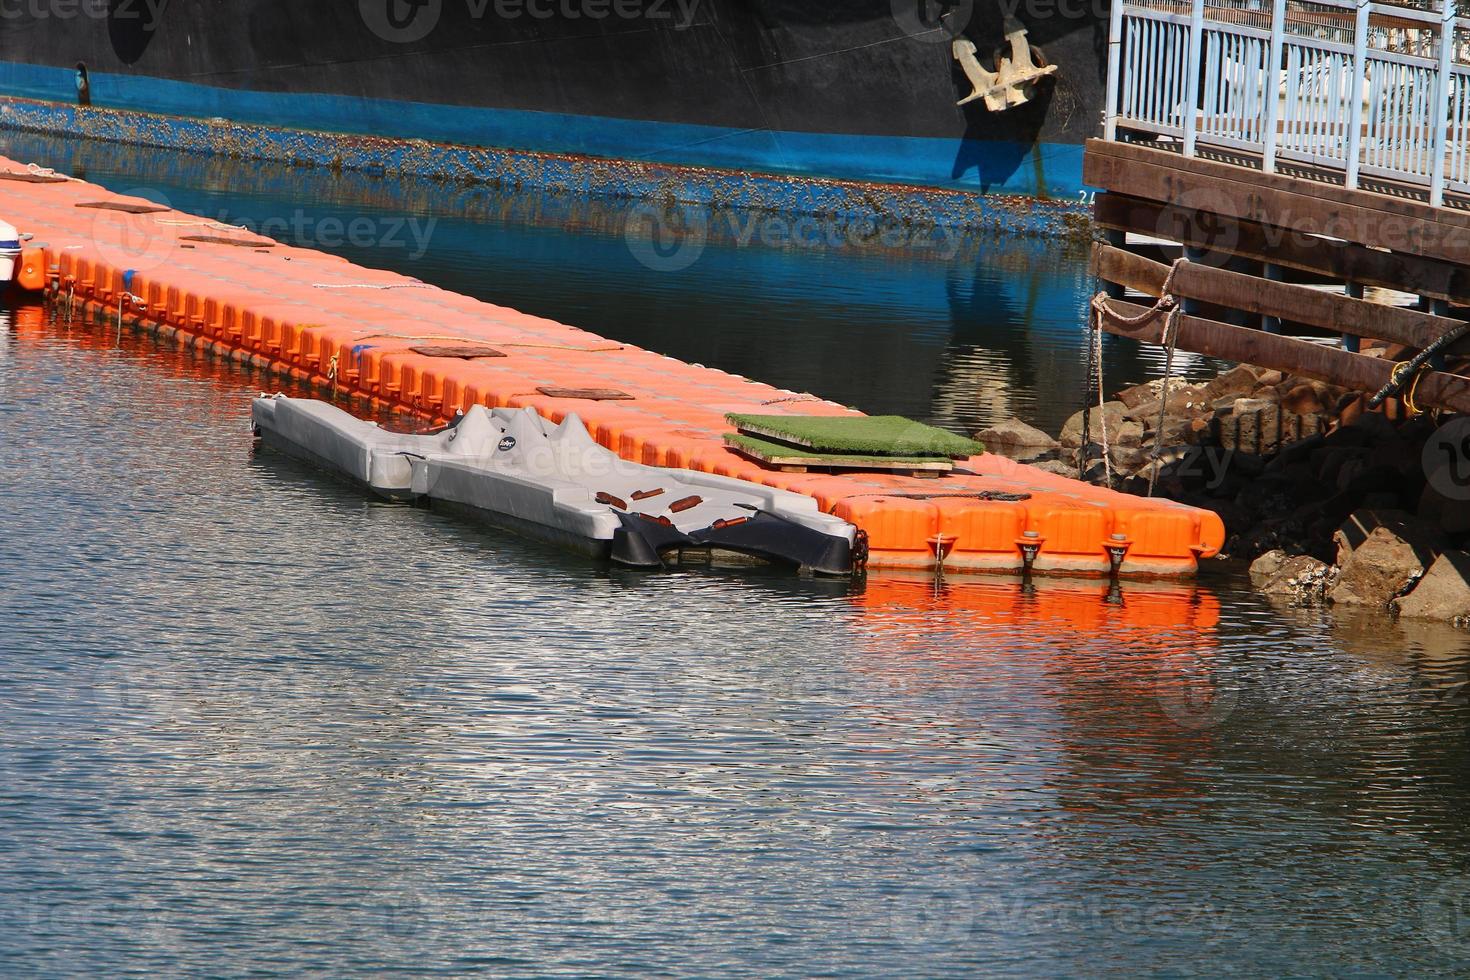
1012, 81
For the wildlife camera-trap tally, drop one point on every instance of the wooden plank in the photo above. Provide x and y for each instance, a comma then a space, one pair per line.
1345, 261
586, 394
1290, 356
1287, 301
1137, 153
123, 206
465, 352
25, 177
1303, 206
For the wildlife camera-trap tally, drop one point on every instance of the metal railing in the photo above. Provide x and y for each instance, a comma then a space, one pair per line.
1354, 88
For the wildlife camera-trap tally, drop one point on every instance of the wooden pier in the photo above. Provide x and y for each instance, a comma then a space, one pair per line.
1298, 175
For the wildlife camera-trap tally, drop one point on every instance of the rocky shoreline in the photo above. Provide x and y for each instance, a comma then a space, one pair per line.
1330, 502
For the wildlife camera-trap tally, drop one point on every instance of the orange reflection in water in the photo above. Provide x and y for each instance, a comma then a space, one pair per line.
1127, 679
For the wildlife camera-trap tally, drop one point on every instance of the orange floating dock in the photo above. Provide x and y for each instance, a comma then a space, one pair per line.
413, 347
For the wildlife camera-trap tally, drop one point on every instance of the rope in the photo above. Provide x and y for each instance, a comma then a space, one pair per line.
36, 170
1171, 341
487, 341
370, 285
215, 225
1102, 415
581, 350
793, 398
1409, 372
1166, 305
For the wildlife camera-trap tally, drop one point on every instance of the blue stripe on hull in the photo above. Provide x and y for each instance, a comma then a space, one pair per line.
1043, 170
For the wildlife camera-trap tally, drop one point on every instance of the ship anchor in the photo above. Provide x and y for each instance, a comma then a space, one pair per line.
1014, 79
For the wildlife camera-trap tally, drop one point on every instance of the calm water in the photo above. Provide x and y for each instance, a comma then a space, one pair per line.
959, 332
256, 724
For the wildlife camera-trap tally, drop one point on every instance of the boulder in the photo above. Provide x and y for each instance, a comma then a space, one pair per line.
1444, 591
1249, 406
1303, 399
1450, 515
1017, 440
1112, 412
1057, 468
1149, 391
1179, 431
1235, 383
1371, 428
1296, 576
1380, 554
1128, 433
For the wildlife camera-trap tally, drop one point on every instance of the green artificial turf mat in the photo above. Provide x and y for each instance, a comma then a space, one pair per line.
783, 454
862, 435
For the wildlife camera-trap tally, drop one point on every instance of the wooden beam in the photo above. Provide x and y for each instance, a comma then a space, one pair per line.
1308, 207
1343, 261
1289, 355
1336, 312
1285, 183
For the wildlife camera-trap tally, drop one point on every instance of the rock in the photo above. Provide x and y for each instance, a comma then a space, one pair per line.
1149, 391
1295, 576
1250, 406
1303, 400
1269, 379
1261, 426
1112, 412
1189, 400
1374, 427
1017, 440
1129, 459
1450, 515
1331, 460
1145, 412
1380, 554
1235, 383
1057, 468
1128, 434
1183, 431
1444, 591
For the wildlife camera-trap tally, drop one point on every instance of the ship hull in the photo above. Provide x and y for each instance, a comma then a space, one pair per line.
772, 87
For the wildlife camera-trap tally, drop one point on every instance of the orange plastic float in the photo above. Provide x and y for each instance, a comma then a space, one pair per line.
381, 335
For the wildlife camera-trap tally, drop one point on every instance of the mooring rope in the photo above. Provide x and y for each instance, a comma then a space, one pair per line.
1166, 305
195, 223
371, 285
1171, 341
36, 170
1411, 371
